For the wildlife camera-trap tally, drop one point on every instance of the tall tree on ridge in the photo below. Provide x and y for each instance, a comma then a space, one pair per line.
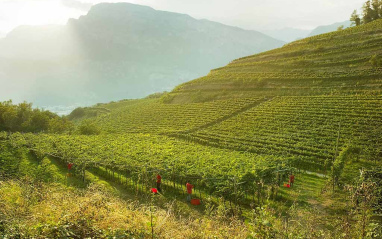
376, 9
367, 12
356, 20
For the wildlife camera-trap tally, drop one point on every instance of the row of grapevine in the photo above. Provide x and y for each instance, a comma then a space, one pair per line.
151, 116
134, 159
299, 127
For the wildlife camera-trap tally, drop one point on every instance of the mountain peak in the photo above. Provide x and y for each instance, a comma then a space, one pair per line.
122, 50
118, 8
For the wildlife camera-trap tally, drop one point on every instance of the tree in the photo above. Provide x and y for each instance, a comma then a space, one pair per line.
356, 20
23, 118
371, 10
375, 61
366, 198
376, 9
88, 128
59, 125
367, 12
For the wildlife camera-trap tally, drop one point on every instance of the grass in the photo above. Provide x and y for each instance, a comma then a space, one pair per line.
53, 208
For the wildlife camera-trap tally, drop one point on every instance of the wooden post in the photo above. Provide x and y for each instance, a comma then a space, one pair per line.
335, 155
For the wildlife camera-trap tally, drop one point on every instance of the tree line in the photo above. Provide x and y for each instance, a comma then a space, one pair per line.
371, 10
24, 118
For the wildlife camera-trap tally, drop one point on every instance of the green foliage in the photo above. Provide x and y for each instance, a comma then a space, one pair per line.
261, 224
140, 154
340, 28
375, 61
332, 63
88, 127
302, 128
153, 116
167, 98
367, 12
156, 95
80, 113
371, 11
77, 113
356, 20
10, 161
60, 125
348, 154
23, 118
366, 196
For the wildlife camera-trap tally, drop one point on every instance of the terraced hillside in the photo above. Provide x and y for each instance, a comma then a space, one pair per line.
152, 116
341, 62
305, 128
306, 101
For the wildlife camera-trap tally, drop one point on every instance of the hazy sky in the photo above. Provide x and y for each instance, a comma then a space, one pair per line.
248, 14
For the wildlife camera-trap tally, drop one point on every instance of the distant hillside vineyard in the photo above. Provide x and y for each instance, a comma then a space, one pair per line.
306, 101
116, 51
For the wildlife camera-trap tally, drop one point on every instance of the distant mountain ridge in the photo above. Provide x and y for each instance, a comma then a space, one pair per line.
329, 28
292, 34
117, 50
287, 34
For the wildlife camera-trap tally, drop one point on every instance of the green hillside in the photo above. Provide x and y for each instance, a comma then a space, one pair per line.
312, 108
152, 116
335, 63
296, 101
305, 128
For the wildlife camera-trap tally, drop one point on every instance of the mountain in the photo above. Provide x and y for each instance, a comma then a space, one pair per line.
293, 34
328, 28
118, 50
287, 34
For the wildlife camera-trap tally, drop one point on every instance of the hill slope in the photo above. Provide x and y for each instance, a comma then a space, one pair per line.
324, 64
118, 50
291, 102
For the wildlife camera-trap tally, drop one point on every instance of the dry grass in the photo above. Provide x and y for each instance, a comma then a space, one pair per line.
52, 210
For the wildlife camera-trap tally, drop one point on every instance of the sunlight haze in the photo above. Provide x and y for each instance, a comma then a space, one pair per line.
247, 14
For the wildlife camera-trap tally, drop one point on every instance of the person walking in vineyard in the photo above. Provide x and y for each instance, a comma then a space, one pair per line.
291, 179
189, 191
159, 181
70, 165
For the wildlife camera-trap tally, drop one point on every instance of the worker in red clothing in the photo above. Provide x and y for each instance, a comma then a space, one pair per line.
189, 191
159, 181
70, 165
291, 179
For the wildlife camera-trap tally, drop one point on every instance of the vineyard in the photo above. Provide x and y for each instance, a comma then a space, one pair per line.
341, 62
152, 116
303, 128
133, 159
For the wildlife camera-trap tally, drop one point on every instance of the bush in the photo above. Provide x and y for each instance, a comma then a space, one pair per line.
375, 61
88, 127
77, 113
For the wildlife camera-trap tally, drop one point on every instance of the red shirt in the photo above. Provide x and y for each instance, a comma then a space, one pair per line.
291, 178
70, 166
189, 188
159, 179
